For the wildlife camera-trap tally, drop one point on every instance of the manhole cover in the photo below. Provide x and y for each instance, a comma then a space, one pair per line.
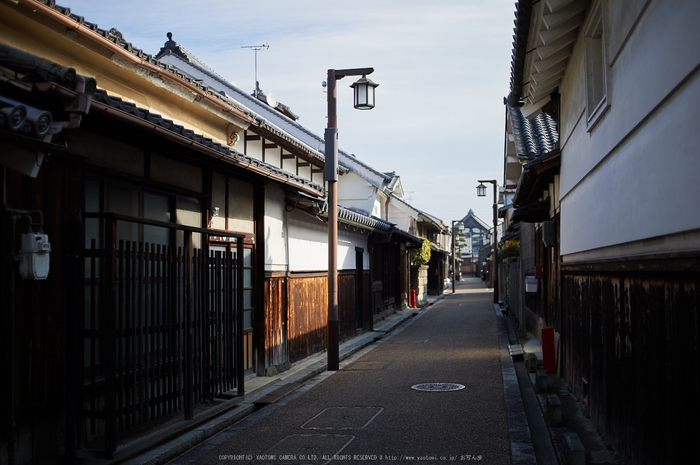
438, 387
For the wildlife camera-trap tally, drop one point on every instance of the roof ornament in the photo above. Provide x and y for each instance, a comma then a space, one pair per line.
256, 49
172, 47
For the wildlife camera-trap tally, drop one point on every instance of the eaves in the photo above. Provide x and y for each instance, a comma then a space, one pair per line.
350, 218
543, 39
152, 122
127, 56
266, 121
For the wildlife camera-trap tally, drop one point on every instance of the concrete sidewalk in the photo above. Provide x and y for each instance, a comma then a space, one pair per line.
170, 442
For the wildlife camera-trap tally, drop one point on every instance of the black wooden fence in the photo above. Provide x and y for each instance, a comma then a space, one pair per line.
163, 329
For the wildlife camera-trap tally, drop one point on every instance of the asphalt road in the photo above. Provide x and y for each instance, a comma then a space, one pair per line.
369, 413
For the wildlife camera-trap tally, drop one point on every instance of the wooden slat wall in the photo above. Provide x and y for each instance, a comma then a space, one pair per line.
635, 338
346, 306
144, 336
307, 316
277, 350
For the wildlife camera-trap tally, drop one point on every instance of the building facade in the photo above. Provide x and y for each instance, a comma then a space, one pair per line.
609, 222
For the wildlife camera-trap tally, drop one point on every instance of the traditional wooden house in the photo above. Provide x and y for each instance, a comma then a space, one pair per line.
614, 224
375, 233
533, 217
290, 288
380, 195
440, 238
183, 227
123, 168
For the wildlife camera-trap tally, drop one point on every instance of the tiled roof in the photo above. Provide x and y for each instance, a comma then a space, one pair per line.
523, 10
173, 47
101, 96
437, 222
345, 215
265, 116
269, 117
472, 221
116, 37
534, 137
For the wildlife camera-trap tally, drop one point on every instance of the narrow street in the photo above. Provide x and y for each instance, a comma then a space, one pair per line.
369, 410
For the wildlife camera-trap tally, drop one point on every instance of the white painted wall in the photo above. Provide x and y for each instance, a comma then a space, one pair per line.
633, 177
348, 240
308, 244
276, 258
355, 192
401, 214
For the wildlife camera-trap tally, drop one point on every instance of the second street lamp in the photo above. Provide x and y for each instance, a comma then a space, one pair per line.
481, 192
455, 231
364, 100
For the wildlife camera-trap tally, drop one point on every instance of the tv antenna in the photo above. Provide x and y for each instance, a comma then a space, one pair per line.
256, 49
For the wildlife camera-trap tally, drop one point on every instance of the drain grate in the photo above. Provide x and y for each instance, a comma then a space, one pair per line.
437, 387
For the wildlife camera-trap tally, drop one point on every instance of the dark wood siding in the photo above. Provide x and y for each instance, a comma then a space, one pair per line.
296, 314
307, 316
634, 337
346, 305
41, 310
275, 324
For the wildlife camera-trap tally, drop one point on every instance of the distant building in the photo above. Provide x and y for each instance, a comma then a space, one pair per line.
477, 233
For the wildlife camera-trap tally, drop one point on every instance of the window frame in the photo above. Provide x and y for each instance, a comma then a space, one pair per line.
596, 67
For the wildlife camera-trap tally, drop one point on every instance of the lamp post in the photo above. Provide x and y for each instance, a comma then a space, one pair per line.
363, 100
481, 192
454, 251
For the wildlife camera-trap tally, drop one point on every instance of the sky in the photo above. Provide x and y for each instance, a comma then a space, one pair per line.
443, 69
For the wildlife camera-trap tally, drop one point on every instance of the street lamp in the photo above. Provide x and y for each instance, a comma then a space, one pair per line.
364, 93
363, 100
481, 192
454, 251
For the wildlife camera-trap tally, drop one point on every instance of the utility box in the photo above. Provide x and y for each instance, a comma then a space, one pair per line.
35, 251
531, 284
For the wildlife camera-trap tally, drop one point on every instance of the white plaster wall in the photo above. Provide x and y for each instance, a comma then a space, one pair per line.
348, 240
400, 215
274, 157
355, 192
253, 148
633, 176
276, 258
308, 237
308, 244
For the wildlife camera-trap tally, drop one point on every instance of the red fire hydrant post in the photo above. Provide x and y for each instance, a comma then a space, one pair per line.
548, 357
